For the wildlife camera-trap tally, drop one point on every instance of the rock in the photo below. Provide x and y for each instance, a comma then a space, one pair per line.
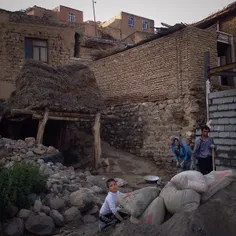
71, 214
94, 210
13, 211
99, 181
48, 172
30, 145
30, 154
89, 219
20, 144
56, 203
39, 151
57, 217
46, 209
14, 228
25, 214
97, 189
121, 182
40, 225
42, 213
73, 187
83, 199
87, 173
51, 150
37, 206
10, 164
30, 140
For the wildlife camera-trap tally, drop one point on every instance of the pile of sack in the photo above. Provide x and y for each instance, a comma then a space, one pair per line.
185, 192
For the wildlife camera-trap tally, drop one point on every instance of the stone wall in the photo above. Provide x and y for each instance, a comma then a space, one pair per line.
14, 28
156, 90
223, 115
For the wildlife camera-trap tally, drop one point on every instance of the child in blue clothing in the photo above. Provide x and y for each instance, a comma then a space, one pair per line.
182, 153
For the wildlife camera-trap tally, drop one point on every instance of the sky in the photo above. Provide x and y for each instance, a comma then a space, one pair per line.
168, 11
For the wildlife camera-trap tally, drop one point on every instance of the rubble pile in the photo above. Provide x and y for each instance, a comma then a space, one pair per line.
72, 195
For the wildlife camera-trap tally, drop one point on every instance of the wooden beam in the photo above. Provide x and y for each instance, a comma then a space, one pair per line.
97, 142
41, 127
224, 68
226, 73
39, 117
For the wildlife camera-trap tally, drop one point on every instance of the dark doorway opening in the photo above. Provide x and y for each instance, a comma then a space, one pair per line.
77, 45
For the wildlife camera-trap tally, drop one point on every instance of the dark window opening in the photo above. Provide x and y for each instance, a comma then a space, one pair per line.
77, 45
36, 49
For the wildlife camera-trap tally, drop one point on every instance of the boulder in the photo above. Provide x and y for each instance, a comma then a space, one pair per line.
83, 199
99, 181
46, 209
89, 219
56, 203
51, 150
57, 217
30, 140
39, 151
71, 214
14, 228
37, 206
30, 154
25, 214
97, 189
40, 225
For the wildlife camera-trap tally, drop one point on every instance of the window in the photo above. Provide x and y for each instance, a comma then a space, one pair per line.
145, 25
36, 49
71, 17
131, 21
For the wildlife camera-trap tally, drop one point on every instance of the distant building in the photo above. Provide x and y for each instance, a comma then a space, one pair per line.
33, 37
60, 13
129, 27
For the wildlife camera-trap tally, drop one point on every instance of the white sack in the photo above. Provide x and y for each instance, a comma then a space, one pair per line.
217, 180
179, 200
153, 215
135, 203
190, 180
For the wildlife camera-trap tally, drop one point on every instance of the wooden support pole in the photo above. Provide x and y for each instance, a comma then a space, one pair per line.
41, 127
97, 142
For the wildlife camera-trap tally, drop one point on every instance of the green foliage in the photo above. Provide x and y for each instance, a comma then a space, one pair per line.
16, 184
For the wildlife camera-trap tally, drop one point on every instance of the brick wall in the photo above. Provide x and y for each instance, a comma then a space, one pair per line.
223, 115
162, 82
228, 25
14, 27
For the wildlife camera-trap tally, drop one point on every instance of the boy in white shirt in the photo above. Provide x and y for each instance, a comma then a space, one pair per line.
109, 213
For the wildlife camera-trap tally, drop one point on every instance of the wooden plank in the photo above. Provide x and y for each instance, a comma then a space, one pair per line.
97, 142
226, 73
224, 68
41, 127
67, 115
36, 116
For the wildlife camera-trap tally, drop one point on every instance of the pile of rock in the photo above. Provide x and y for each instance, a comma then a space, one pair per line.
27, 151
73, 195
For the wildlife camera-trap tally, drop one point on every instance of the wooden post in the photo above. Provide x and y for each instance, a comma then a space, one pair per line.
97, 142
41, 127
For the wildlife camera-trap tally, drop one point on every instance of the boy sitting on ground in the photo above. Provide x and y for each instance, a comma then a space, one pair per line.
109, 214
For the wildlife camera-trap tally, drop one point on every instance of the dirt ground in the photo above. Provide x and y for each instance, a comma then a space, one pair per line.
122, 165
130, 167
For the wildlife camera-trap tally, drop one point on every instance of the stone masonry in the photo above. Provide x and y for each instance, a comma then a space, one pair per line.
156, 90
14, 28
223, 115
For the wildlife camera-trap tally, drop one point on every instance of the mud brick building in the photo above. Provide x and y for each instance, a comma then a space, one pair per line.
25, 36
157, 88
